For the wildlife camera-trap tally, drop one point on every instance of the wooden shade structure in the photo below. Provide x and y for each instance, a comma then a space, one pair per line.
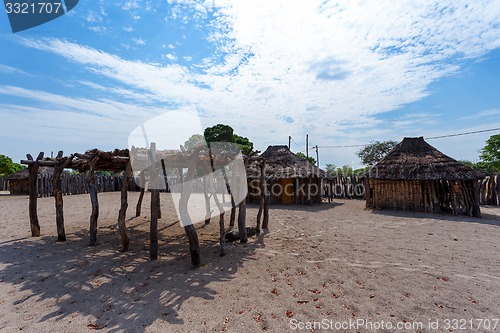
416, 176
149, 161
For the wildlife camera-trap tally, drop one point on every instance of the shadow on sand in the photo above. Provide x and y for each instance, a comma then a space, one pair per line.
120, 291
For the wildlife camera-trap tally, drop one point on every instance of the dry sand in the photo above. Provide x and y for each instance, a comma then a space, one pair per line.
330, 264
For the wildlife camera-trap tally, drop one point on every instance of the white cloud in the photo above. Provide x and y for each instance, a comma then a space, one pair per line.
13, 70
139, 41
482, 114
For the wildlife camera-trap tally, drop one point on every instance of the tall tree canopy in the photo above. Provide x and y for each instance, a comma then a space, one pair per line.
490, 154
375, 151
8, 167
225, 133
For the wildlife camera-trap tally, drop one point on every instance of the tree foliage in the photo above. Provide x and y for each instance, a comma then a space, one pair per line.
194, 141
219, 133
310, 158
8, 167
375, 151
490, 154
225, 133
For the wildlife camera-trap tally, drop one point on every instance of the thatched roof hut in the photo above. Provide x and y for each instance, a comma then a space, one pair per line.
290, 178
416, 176
18, 181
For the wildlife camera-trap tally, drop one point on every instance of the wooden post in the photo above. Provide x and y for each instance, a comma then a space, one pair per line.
262, 189
265, 219
95, 203
206, 187
141, 195
242, 211
58, 194
222, 230
194, 246
123, 208
153, 177
33, 195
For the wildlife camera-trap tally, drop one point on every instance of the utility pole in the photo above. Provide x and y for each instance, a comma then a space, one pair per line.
317, 155
289, 141
307, 146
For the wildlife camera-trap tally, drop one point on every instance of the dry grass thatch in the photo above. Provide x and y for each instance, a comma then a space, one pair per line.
415, 159
281, 163
24, 174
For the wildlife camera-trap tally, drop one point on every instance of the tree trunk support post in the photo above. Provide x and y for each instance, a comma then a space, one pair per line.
95, 203
242, 209
141, 195
194, 246
123, 208
33, 195
153, 177
61, 163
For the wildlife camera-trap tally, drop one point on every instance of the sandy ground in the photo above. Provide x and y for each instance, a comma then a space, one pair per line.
318, 268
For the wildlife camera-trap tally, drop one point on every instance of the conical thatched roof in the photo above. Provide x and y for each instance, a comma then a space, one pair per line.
415, 159
282, 163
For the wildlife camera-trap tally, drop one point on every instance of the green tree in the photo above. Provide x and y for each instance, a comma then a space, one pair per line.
194, 141
302, 155
331, 168
246, 146
219, 133
225, 133
8, 167
490, 154
375, 151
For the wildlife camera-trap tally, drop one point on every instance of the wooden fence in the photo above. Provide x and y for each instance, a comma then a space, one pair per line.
79, 184
3, 184
489, 190
345, 187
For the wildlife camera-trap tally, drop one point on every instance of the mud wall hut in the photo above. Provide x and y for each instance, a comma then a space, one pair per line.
18, 181
416, 176
290, 178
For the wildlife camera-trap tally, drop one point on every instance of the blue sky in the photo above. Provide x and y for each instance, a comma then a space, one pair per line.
346, 73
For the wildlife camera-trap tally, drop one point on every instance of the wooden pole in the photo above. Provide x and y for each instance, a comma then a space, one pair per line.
58, 194
194, 246
242, 211
33, 195
262, 195
267, 199
95, 203
222, 230
123, 208
153, 177
141, 195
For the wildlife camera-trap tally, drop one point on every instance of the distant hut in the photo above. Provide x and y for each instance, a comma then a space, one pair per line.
416, 176
18, 181
290, 178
